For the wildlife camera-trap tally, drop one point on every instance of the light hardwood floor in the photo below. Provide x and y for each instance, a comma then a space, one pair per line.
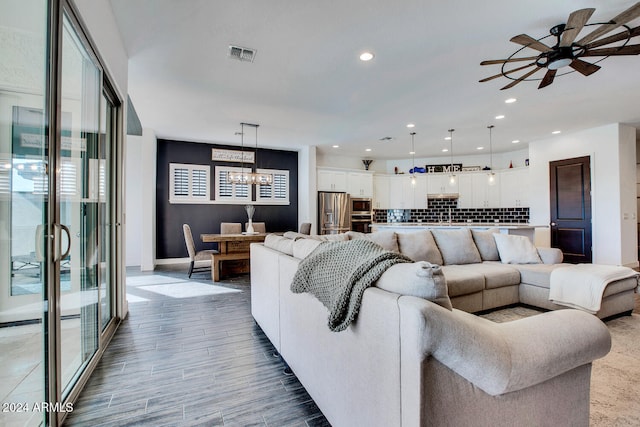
187, 357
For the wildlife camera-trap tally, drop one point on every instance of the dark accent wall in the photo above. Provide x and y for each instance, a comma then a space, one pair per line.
439, 211
206, 218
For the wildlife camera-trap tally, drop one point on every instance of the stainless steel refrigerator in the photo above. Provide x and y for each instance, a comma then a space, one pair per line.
333, 212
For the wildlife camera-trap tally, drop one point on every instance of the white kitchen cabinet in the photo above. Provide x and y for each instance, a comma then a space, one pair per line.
331, 180
360, 184
438, 183
404, 195
465, 191
381, 192
475, 191
514, 188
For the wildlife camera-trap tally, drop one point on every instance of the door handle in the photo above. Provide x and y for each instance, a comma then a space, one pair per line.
58, 241
553, 224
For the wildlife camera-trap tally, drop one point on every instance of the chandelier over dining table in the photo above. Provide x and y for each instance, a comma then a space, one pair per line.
250, 176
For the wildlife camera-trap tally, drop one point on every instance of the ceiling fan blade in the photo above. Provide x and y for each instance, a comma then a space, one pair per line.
529, 41
503, 61
633, 49
506, 72
615, 38
630, 14
574, 25
584, 67
548, 78
515, 82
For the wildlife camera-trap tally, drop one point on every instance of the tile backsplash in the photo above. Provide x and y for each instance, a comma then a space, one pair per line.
439, 209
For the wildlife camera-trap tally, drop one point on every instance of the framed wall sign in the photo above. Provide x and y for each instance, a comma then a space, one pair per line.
238, 156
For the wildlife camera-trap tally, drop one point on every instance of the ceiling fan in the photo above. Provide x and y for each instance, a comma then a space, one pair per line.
567, 52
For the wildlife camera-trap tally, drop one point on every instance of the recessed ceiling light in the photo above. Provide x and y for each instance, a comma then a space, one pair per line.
412, 152
500, 117
366, 56
411, 125
515, 141
555, 132
444, 150
367, 149
447, 138
479, 148
335, 146
510, 101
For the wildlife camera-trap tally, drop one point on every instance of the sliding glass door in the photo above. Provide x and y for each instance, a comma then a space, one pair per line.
24, 203
59, 123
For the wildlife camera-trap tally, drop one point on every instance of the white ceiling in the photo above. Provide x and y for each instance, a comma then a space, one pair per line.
307, 86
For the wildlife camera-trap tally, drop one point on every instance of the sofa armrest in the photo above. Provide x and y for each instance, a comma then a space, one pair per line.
503, 357
550, 255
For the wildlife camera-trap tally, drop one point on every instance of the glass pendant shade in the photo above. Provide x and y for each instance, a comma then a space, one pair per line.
492, 178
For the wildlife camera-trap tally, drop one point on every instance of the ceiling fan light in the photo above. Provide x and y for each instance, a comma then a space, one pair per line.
559, 63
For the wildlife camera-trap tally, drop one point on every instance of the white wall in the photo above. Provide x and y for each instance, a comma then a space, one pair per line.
500, 161
612, 151
307, 186
133, 201
147, 212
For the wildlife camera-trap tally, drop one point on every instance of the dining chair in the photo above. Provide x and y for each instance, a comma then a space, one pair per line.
196, 256
258, 227
305, 228
230, 228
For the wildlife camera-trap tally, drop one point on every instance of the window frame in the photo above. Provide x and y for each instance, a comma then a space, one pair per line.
190, 197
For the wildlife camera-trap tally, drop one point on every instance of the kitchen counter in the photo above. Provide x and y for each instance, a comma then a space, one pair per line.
527, 230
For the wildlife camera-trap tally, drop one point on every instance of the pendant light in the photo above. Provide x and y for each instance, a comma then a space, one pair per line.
413, 157
252, 177
452, 178
491, 175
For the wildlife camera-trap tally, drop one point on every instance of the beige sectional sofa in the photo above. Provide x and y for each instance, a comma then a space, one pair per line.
407, 361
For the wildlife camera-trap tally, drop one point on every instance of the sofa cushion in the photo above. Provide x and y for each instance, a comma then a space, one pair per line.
303, 247
462, 281
386, 238
419, 279
516, 249
456, 246
496, 275
279, 243
486, 244
419, 246
537, 274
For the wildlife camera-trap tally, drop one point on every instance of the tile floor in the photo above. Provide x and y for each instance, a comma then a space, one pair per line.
190, 354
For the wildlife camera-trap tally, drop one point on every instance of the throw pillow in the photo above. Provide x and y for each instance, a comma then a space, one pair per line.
486, 244
419, 246
516, 249
456, 246
418, 279
387, 239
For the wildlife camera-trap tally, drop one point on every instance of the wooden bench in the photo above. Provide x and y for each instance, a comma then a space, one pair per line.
230, 247
216, 259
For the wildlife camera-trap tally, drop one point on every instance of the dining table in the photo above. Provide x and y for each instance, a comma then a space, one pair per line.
230, 247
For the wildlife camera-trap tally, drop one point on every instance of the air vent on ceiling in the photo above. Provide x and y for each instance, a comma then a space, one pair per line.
242, 53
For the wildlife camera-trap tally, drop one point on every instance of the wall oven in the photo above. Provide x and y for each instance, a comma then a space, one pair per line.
361, 215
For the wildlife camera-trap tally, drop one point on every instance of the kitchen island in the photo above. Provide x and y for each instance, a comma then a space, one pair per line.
527, 230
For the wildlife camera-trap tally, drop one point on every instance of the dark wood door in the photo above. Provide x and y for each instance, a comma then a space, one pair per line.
571, 208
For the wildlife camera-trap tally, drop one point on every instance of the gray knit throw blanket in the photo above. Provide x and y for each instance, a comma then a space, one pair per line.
338, 273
